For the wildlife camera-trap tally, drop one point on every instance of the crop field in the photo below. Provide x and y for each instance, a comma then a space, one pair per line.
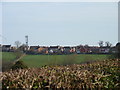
96, 75
42, 60
8, 56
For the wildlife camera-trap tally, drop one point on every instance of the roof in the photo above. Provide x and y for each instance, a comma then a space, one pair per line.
7, 46
104, 47
43, 47
54, 46
34, 47
67, 47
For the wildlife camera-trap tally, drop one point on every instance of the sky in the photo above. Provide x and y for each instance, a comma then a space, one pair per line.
60, 23
60, 0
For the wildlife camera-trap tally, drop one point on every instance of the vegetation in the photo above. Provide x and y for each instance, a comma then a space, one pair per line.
96, 75
8, 56
117, 54
8, 59
42, 60
118, 50
19, 65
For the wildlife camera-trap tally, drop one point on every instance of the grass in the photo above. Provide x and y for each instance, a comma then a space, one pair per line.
42, 60
8, 56
7, 60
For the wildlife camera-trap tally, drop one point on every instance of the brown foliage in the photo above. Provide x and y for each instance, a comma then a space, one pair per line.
99, 74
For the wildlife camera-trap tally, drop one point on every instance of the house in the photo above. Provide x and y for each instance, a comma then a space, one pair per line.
73, 50
54, 49
94, 49
24, 48
67, 50
34, 48
43, 50
104, 49
6, 48
77, 49
81, 49
13, 48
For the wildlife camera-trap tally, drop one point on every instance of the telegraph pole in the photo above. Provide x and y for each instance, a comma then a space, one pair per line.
26, 40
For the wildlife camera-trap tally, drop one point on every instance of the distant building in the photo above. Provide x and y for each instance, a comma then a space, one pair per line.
13, 49
73, 50
67, 50
54, 49
94, 50
24, 48
6, 48
81, 49
43, 50
34, 48
104, 50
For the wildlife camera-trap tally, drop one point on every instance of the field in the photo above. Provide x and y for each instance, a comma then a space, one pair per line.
79, 71
8, 56
42, 60
7, 59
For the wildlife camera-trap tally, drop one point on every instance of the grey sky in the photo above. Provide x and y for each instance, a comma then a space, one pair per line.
60, 23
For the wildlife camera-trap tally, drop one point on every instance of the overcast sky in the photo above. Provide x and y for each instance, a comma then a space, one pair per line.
60, 23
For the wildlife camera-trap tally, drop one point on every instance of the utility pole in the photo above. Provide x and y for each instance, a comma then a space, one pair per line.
26, 40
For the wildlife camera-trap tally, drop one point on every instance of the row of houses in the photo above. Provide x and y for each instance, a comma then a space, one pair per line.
7, 48
60, 49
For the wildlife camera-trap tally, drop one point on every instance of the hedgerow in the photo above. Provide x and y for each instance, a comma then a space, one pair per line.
94, 75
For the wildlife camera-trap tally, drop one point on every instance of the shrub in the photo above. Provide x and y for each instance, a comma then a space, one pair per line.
97, 75
117, 53
19, 65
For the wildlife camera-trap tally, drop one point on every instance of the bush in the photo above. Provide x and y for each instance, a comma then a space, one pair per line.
117, 53
118, 50
19, 65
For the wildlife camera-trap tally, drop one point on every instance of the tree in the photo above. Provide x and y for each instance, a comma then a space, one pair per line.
117, 54
118, 46
100, 43
17, 43
86, 45
22, 47
108, 44
118, 49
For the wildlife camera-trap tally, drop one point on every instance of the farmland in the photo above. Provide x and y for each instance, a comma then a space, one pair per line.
63, 71
42, 60
8, 56
7, 59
